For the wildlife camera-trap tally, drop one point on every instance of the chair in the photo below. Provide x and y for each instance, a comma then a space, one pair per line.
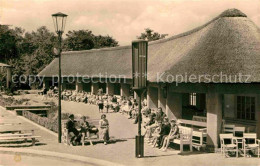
228, 128
251, 143
185, 137
239, 131
228, 144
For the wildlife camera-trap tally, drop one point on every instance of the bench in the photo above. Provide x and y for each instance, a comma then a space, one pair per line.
25, 136
185, 137
85, 138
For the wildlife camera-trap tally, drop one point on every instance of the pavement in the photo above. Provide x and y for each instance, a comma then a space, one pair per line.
121, 152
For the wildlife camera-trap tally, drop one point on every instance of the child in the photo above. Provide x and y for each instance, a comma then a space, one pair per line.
174, 133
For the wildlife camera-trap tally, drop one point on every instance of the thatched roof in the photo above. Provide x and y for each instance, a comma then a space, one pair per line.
228, 44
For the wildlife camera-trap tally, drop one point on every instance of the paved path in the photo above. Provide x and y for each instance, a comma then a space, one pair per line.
119, 125
123, 152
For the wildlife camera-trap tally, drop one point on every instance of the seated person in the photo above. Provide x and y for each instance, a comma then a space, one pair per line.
152, 141
160, 114
67, 95
78, 97
114, 99
174, 134
166, 127
86, 128
55, 90
150, 127
74, 134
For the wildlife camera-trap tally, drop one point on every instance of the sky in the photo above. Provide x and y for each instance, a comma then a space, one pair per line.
122, 19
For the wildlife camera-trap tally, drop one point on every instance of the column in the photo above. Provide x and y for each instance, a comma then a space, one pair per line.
110, 88
8, 77
162, 99
152, 97
214, 118
174, 105
63, 86
258, 115
79, 86
135, 95
125, 90
94, 88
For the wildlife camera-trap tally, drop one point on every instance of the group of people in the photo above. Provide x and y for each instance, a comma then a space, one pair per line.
159, 130
51, 92
77, 129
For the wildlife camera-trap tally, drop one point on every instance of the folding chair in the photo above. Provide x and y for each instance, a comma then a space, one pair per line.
228, 144
239, 131
228, 128
251, 143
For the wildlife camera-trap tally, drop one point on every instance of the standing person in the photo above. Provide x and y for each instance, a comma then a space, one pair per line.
106, 104
100, 105
104, 128
74, 134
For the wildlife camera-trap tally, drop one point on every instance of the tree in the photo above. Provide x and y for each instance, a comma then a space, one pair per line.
30, 52
86, 40
104, 41
9, 42
150, 35
38, 50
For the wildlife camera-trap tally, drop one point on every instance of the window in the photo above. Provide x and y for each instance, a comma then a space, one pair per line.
193, 99
246, 107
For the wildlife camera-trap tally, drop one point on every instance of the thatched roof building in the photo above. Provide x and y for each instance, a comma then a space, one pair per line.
228, 44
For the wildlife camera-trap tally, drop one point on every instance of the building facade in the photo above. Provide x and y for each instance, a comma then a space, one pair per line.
211, 71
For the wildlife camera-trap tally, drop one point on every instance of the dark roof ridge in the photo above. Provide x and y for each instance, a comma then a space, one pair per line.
227, 13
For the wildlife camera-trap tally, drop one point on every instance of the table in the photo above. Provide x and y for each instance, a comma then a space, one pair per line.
240, 144
10, 121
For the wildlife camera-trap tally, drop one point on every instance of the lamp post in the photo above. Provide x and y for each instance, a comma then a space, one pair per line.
59, 20
139, 73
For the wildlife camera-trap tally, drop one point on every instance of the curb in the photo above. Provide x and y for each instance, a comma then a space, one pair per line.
59, 156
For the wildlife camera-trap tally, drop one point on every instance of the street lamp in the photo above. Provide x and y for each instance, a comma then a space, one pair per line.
139, 74
59, 20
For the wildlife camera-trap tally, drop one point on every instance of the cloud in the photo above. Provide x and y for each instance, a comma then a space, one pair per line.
123, 20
